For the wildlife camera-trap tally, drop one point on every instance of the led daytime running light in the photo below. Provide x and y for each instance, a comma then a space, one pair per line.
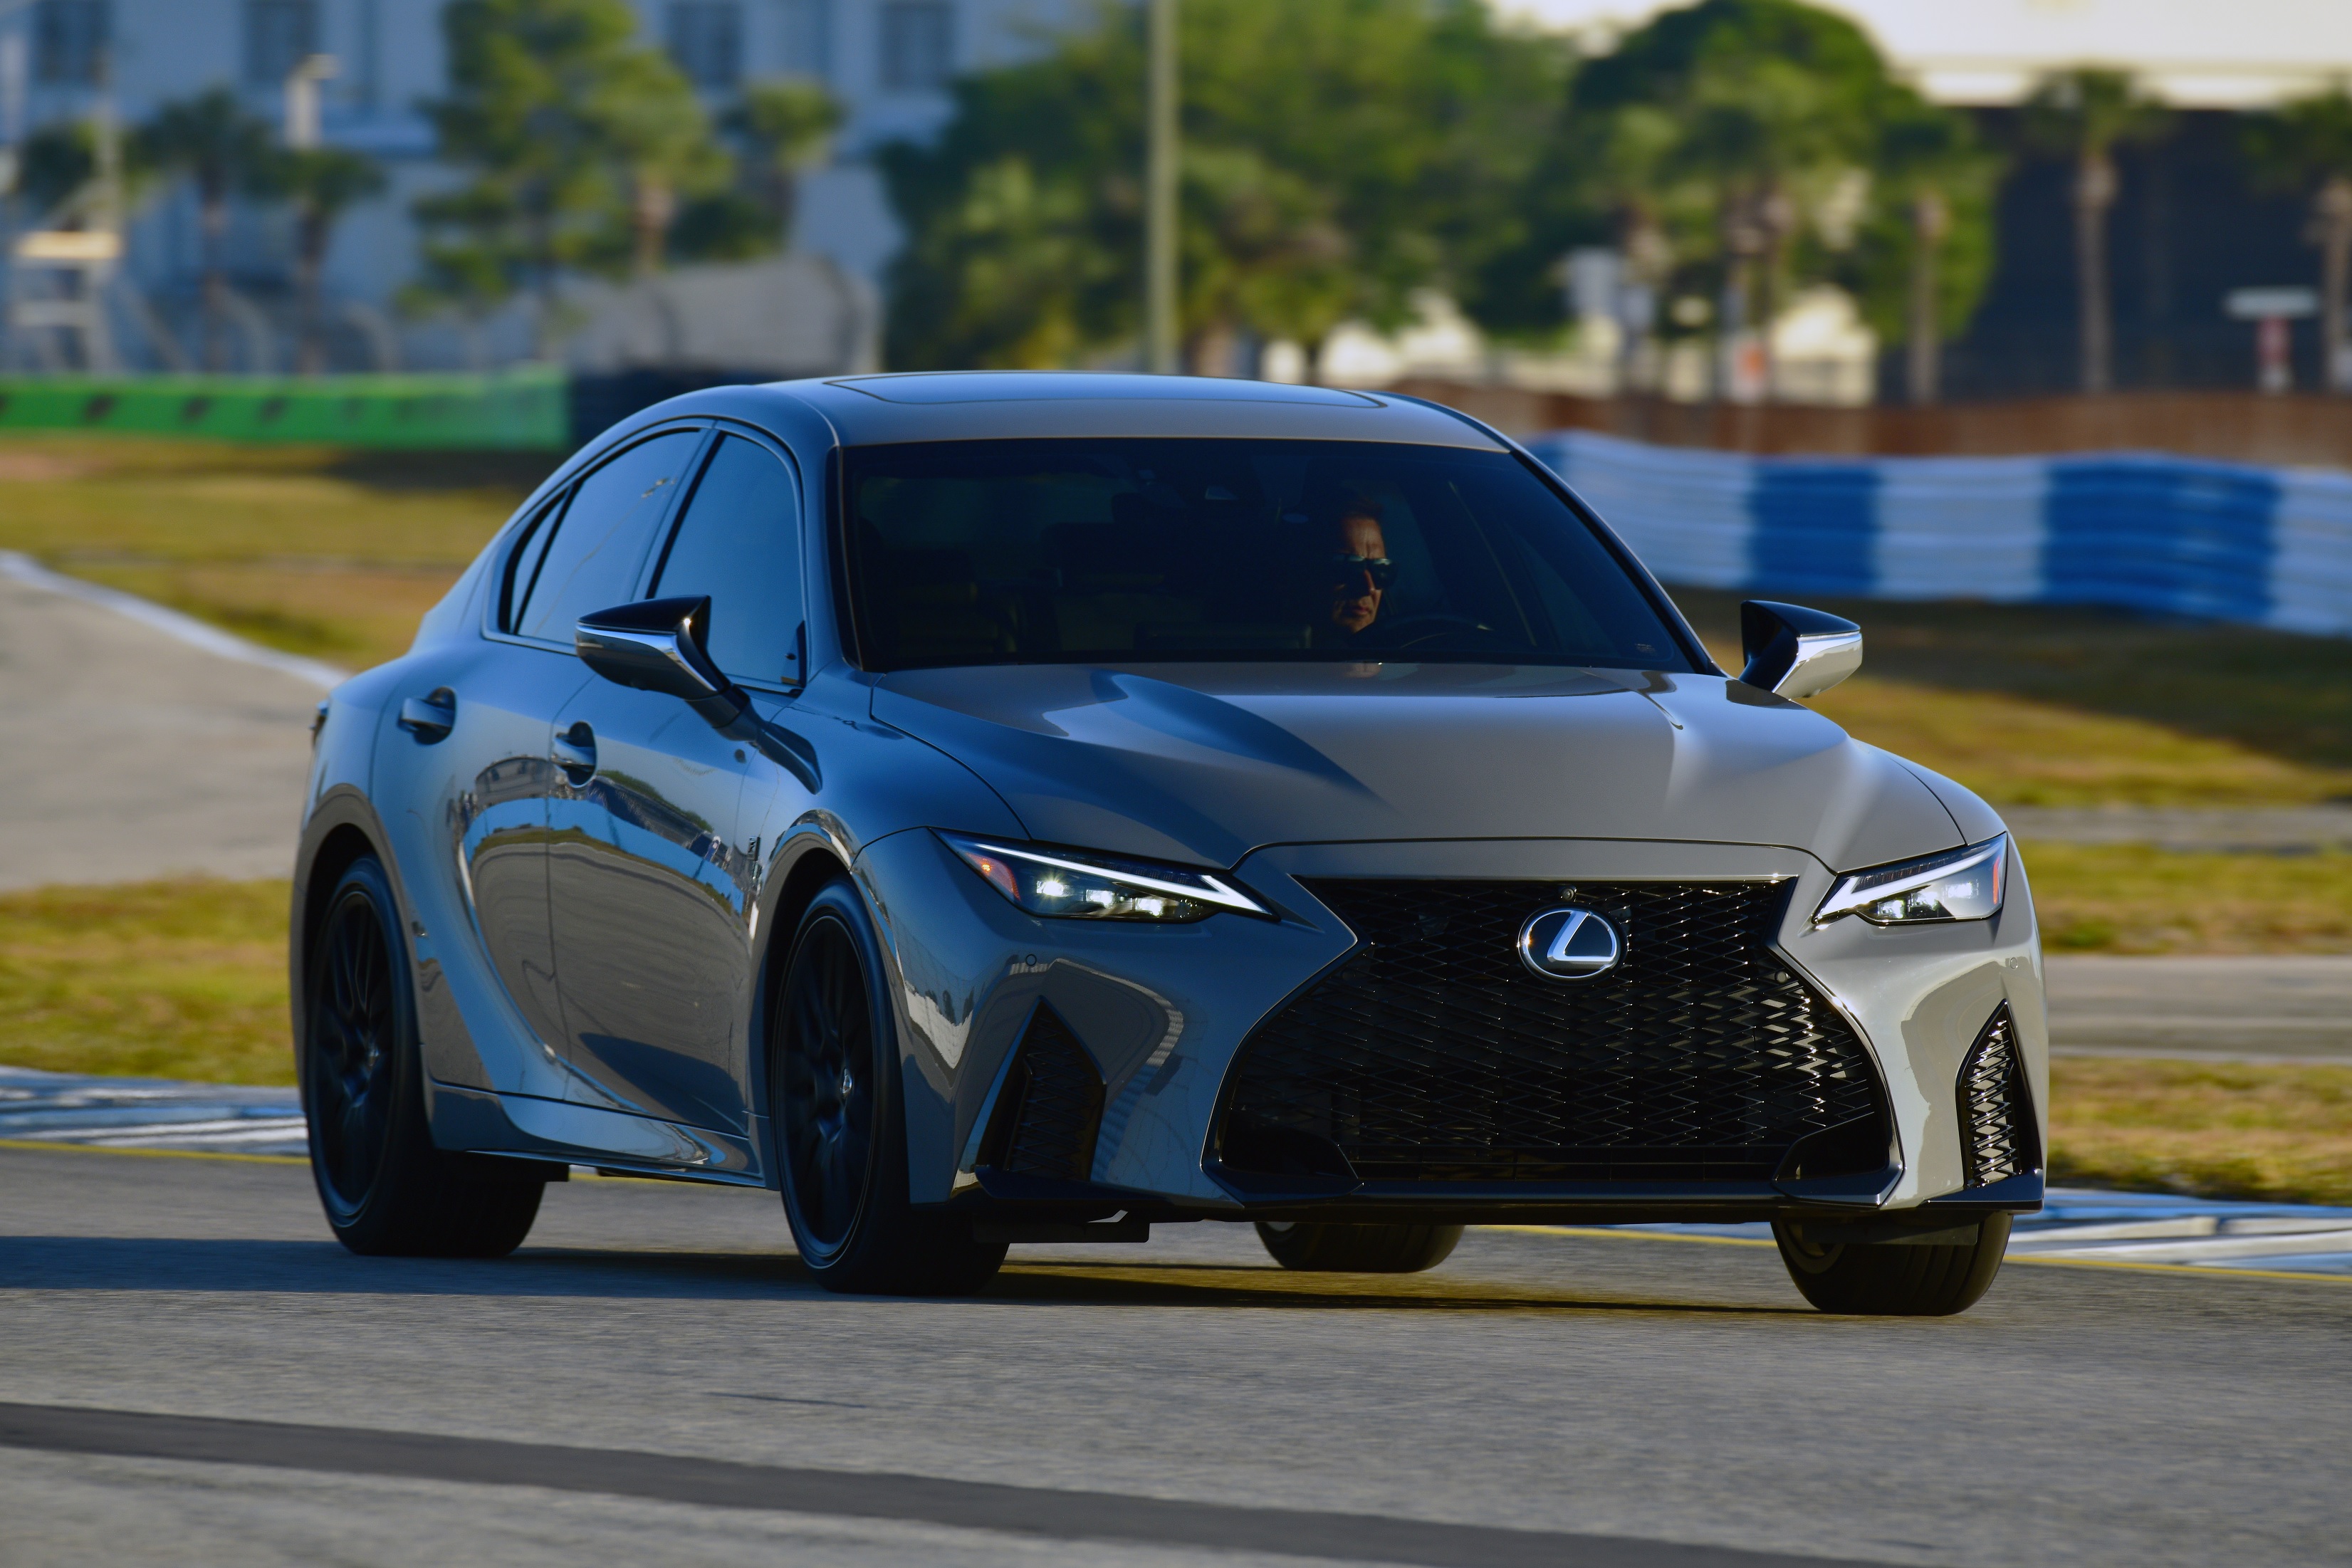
1858, 892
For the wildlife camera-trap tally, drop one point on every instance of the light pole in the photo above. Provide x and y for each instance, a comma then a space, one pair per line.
1160, 131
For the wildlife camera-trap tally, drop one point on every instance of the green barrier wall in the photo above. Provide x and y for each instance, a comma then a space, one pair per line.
526, 409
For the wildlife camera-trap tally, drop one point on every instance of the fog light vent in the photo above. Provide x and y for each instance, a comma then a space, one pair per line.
1050, 1107
1996, 1136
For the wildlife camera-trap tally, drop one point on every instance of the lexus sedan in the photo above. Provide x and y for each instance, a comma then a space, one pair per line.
991, 808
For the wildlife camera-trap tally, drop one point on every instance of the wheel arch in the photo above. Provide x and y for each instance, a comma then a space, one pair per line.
805, 863
342, 828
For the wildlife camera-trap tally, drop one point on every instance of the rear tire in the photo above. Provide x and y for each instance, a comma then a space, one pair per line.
834, 1098
1315, 1249
1893, 1279
387, 1191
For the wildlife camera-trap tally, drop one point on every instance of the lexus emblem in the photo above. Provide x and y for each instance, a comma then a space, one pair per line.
1568, 943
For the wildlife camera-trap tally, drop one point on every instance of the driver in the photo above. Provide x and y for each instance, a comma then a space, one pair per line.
1360, 568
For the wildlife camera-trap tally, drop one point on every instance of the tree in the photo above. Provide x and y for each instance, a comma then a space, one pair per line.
1339, 154
653, 126
575, 140
216, 146
1725, 130
1926, 253
778, 129
786, 125
2085, 114
319, 184
2307, 142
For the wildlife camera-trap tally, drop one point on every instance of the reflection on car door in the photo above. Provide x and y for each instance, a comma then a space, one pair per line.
650, 880
478, 789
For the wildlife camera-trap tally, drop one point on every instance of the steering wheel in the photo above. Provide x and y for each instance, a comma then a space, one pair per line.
1429, 626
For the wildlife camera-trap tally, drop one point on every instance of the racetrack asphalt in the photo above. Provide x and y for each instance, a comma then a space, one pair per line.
1597, 1400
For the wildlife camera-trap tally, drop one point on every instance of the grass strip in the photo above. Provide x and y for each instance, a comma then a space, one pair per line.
2276, 1133
180, 979
187, 980
2138, 899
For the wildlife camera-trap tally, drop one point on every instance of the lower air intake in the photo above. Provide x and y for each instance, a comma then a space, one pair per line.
1433, 1054
1050, 1107
1997, 1133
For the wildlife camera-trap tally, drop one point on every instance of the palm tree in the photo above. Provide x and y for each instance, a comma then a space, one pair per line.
2304, 142
786, 124
1930, 162
2084, 114
319, 184
658, 138
213, 143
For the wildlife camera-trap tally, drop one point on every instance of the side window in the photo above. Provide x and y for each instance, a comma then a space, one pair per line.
523, 564
593, 561
740, 544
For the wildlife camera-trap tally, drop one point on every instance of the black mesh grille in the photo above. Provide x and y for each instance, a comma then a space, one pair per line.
1433, 1054
1997, 1134
1051, 1106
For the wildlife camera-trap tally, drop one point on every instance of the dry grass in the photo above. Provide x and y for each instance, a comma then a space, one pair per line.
2038, 705
314, 549
2280, 1133
179, 979
2135, 897
187, 980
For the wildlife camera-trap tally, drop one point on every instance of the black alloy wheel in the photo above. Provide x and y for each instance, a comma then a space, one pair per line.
386, 1190
1892, 1280
351, 1079
834, 1092
828, 1088
1313, 1247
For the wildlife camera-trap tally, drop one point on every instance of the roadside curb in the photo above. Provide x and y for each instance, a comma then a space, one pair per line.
21, 568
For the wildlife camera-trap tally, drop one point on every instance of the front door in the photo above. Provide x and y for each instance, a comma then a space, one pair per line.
651, 879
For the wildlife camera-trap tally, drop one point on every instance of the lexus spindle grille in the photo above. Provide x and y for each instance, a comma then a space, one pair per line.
1433, 1054
1997, 1132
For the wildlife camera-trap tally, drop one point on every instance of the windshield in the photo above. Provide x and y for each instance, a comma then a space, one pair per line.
1120, 550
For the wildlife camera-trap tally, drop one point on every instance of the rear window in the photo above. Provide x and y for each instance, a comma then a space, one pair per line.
1084, 551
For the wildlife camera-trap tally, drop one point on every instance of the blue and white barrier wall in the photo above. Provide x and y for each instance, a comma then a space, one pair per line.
2268, 547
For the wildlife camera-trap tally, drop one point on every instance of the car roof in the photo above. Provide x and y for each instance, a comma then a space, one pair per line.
963, 406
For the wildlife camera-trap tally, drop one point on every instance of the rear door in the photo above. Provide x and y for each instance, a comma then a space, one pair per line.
651, 877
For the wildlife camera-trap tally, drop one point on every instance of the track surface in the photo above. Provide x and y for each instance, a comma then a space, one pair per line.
1639, 1391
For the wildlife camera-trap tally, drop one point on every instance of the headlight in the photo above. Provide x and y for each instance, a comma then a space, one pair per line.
1098, 887
1963, 885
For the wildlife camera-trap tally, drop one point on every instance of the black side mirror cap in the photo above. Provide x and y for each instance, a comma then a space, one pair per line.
657, 645
1796, 652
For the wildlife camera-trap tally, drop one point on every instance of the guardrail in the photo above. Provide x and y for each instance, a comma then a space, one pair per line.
525, 409
2182, 536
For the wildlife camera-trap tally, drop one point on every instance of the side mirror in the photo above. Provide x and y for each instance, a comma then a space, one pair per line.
656, 644
1794, 651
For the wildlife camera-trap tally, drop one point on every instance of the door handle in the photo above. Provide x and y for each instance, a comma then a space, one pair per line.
431, 717
575, 750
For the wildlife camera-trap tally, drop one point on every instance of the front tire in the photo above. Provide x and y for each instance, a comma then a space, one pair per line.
1892, 1280
387, 1191
841, 1134
1315, 1249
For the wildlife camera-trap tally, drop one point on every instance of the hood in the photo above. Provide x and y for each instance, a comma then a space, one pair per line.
1204, 762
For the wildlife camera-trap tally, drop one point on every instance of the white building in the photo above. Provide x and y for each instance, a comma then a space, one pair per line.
887, 62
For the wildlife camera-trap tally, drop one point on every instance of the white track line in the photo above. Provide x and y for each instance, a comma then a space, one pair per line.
24, 569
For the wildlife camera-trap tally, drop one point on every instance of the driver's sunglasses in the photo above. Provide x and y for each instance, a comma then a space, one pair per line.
1347, 570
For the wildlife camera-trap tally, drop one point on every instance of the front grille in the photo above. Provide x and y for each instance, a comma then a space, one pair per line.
1433, 1055
1050, 1108
1997, 1133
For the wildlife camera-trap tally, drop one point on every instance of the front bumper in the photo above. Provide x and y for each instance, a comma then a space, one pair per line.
1159, 1013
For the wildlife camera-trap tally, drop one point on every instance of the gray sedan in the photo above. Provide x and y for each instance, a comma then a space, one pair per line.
995, 809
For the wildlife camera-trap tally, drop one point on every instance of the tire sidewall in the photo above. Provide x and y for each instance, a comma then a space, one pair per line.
404, 1130
838, 903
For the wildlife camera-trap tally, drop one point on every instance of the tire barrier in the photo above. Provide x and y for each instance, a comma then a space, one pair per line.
2229, 542
526, 409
